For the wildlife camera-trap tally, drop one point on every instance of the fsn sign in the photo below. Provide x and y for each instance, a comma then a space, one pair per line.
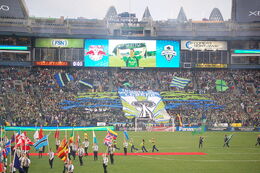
59, 43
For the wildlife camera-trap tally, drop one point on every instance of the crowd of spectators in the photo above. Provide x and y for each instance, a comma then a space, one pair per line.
31, 96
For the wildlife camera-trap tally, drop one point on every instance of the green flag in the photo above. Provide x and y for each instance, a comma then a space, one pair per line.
199, 130
127, 84
221, 85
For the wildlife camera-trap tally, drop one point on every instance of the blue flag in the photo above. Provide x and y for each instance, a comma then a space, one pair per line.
126, 135
41, 142
17, 163
63, 78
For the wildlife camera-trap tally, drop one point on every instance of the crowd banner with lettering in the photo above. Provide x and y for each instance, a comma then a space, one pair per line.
143, 104
203, 45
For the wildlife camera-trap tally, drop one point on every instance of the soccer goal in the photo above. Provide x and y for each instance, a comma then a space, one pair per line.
147, 124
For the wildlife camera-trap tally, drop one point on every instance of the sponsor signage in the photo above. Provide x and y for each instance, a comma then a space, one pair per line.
60, 43
186, 129
51, 63
236, 125
101, 123
247, 11
211, 65
216, 128
247, 129
203, 45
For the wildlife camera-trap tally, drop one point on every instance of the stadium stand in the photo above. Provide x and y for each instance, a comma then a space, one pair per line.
32, 94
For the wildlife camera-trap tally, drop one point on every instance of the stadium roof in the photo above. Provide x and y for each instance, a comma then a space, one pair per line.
147, 14
13, 9
216, 15
111, 12
182, 16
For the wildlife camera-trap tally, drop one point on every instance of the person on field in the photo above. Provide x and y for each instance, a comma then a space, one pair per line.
257, 140
226, 141
111, 151
131, 143
125, 145
86, 145
105, 162
95, 151
143, 146
70, 167
81, 153
51, 157
25, 162
201, 140
154, 145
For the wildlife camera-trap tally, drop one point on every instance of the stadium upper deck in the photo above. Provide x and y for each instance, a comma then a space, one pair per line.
14, 20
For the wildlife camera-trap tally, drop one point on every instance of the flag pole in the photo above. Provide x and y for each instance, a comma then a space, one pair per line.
1, 136
10, 153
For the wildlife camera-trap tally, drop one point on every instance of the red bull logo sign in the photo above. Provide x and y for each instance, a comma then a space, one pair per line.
96, 52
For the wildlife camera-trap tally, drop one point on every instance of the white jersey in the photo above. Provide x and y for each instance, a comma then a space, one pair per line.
95, 148
81, 151
70, 168
125, 144
86, 144
51, 155
105, 160
25, 162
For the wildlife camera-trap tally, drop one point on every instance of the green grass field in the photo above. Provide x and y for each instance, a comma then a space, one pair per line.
241, 157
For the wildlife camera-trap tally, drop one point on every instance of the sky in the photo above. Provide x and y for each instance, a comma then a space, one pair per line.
97, 9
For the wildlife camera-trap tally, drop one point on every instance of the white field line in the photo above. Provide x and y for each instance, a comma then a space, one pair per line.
194, 160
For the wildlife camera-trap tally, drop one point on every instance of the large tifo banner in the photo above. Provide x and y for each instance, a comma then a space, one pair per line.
143, 104
131, 53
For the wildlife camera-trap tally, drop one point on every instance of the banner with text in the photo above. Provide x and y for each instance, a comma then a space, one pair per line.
143, 104
203, 45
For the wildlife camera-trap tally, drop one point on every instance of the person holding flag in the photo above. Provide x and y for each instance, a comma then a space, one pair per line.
70, 167
73, 150
95, 151
201, 140
51, 157
40, 152
227, 140
114, 144
81, 154
12, 168
85, 136
125, 145
57, 142
257, 140
25, 162
111, 151
86, 145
